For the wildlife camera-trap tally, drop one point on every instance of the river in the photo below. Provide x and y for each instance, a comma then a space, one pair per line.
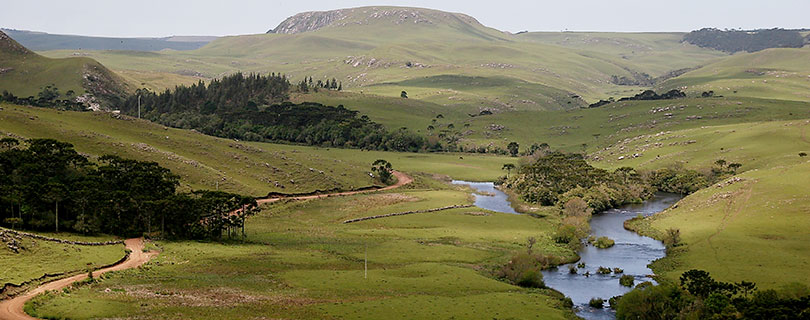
632, 252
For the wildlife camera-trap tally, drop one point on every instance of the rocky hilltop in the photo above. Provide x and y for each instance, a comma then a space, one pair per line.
10, 46
311, 21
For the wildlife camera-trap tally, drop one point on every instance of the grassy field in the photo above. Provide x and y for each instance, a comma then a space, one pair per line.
44, 257
754, 230
301, 262
771, 74
750, 229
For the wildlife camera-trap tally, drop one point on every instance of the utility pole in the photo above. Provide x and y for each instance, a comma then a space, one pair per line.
365, 264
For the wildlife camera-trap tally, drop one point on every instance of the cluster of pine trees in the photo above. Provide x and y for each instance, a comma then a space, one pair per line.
250, 107
46, 185
307, 84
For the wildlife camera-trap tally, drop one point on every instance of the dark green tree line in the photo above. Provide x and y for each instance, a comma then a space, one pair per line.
47, 185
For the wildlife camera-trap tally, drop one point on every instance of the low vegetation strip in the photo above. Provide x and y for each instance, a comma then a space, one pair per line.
4, 232
408, 212
12, 289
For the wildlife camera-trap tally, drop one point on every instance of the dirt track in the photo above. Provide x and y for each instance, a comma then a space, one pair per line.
402, 179
12, 309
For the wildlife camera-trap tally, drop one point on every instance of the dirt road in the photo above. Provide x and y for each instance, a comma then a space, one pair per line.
402, 179
12, 309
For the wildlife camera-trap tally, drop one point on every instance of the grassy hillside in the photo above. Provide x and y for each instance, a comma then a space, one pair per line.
24, 73
203, 162
565, 129
654, 53
774, 73
399, 47
750, 227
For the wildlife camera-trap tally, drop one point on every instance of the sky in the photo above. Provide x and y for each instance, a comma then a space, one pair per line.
157, 18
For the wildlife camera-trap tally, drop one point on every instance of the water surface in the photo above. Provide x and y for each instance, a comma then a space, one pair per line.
492, 199
632, 252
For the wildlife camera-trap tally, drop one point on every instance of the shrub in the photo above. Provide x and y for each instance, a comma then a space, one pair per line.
576, 207
614, 302
627, 280
603, 243
566, 234
672, 238
568, 303
525, 270
597, 303
603, 270
618, 270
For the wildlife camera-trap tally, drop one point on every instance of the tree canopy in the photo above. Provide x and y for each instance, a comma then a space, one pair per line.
46, 185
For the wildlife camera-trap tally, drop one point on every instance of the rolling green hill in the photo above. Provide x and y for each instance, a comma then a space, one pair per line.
203, 162
654, 53
773, 73
24, 73
384, 50
749, 226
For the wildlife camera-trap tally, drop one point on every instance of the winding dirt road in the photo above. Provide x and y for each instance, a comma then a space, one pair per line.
12, 309
402, 179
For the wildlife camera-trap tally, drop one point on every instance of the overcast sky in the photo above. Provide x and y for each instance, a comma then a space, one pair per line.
231, 17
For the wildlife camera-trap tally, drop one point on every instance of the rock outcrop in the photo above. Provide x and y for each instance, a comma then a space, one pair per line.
315, 20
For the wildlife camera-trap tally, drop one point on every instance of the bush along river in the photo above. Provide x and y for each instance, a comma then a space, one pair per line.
631, 252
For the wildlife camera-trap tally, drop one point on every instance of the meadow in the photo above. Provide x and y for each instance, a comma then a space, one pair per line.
40, 257
300, 261
751, 226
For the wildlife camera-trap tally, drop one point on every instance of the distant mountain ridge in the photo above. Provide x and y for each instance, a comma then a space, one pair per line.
315, 20
41, 41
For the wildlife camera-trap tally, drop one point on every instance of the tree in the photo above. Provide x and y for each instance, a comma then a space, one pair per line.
513, 148
403, 94
508, 167
720, 163
55, 192
802, 154
734, 166
576, 207
383, 169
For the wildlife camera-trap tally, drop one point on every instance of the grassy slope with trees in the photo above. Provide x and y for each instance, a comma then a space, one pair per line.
371, 46
203, 162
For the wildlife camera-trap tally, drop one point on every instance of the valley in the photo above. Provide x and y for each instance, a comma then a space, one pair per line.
446, 169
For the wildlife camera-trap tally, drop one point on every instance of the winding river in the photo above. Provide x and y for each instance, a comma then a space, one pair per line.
632, 252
